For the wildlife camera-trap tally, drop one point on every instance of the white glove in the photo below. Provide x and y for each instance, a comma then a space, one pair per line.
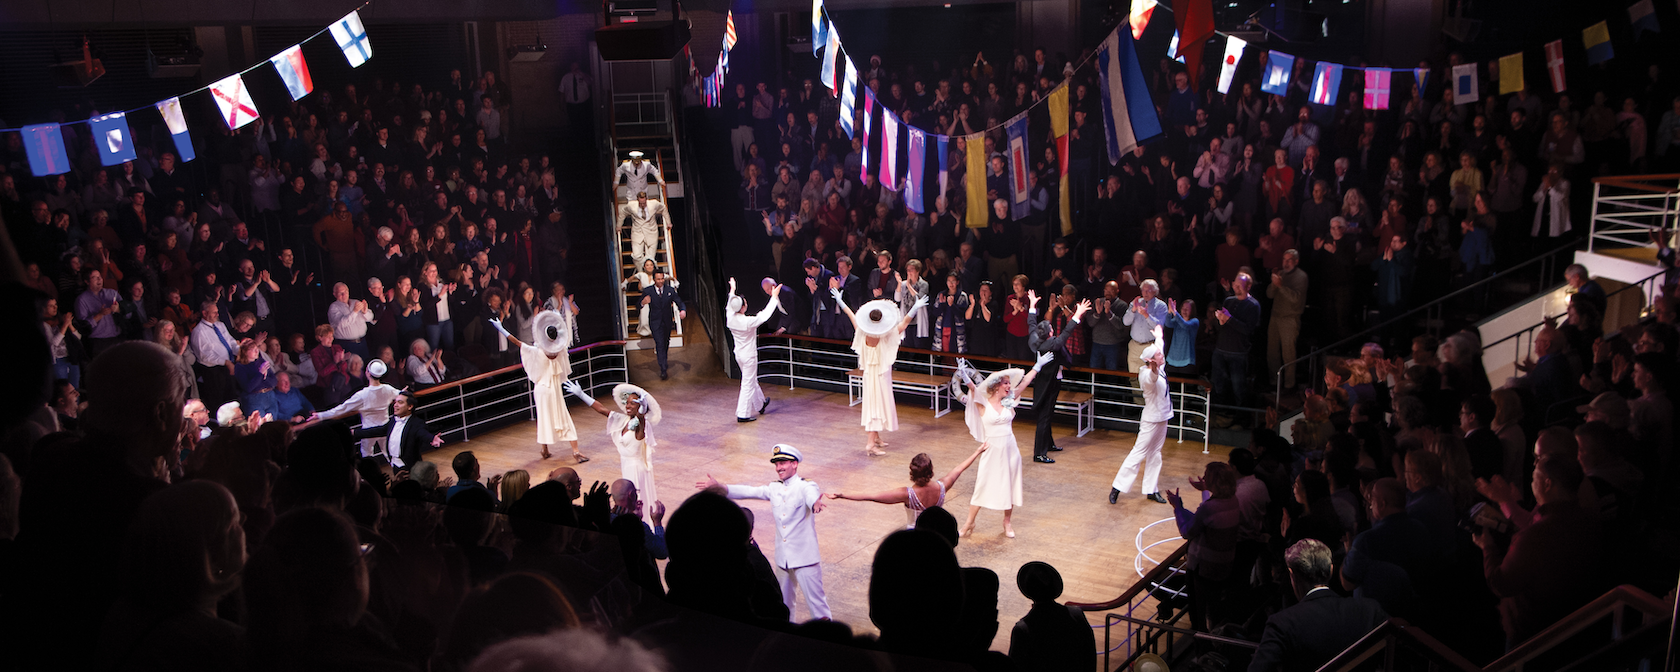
1044, 358
498, 325
919, 304
576, 390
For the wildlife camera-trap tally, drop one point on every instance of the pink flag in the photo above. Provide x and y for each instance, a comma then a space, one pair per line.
889, 150
1554, 64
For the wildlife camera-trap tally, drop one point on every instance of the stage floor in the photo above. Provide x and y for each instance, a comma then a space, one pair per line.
1065, 519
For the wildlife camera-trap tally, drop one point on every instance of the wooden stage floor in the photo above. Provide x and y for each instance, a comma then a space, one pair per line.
1065, 519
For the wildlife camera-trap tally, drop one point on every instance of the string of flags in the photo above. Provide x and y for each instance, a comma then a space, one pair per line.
711, 86
44, 143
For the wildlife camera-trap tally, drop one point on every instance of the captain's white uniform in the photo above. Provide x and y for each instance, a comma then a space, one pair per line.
636, 178
1152, 433
374, 404
745, 328
797, 558
644, 227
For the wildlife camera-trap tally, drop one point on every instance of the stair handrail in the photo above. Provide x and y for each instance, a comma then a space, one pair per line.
664, 200
1386, 638
1613, 604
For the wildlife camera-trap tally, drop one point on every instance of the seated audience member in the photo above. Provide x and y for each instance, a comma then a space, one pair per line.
627, 501
1553, 566
466, 475
290, 403
1051, 636
1321, 624
1381, 561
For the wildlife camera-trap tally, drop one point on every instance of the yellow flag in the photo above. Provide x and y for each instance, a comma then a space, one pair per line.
1067, 207
1510, 73
1059, 111
979, 209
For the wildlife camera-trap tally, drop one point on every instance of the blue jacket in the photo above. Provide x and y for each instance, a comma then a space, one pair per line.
1183, 351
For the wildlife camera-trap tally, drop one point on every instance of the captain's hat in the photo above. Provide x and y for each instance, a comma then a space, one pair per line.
785, 453
635, 155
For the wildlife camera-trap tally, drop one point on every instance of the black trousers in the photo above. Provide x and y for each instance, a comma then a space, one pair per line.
215, 386
1046, 386
662, 346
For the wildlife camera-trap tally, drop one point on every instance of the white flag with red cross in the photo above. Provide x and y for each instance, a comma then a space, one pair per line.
235, 101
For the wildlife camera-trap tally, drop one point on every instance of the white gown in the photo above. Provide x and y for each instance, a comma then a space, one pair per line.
997, 479
635, 457
880, 412
554, 421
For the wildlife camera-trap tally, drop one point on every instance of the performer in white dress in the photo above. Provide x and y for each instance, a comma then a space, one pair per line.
548, 367
644, 279
372, 402
752, 401
880, 326
631, 430
645, 217
794, 502
923, 490
1152, 427
997, 482
635, 174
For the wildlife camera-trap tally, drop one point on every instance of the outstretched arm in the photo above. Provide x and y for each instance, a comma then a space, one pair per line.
897, 496
576, 390
951, 478
904, 323
840, 299
511, 338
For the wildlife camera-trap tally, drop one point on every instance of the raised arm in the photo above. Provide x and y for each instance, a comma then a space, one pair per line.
841, 300
576, 390
511, 338
909, 315
951, 479
895, 496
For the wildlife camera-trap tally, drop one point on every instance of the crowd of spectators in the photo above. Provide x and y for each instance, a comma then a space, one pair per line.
383, 220
1255, 229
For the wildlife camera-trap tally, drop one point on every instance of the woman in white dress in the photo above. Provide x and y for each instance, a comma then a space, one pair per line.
631, 430
997, 481
880, 326
548, 367
923, 490
644, 279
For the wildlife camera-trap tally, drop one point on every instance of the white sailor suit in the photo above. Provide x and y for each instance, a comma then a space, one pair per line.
797, 558
644, 227
636, 178
745, 328
374, 404
1152, 433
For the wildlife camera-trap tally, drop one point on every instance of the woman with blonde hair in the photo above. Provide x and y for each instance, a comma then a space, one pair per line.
514, 485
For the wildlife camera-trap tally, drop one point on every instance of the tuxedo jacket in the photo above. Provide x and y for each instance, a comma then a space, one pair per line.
416, 438
660, 319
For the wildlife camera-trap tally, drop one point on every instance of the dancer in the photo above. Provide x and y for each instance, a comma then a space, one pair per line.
373, 403
644, 280
1042, 339
997, 483
752, 402
630, 428
879, 331
793, 501
548, 367
645, 218
1152, 427
635, 173
923, 490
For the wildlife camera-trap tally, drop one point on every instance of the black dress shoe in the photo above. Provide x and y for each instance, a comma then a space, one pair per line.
1113, 496
746, 419
662, 375
1157, 497
765, 407
1055, 449
1043, 459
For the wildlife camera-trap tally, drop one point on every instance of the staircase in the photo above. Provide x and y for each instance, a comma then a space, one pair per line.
642, 122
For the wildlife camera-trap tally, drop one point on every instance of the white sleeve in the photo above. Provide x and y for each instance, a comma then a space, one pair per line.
749, 492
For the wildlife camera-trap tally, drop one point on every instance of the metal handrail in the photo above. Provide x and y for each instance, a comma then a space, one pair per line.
505, 393
1130, 599
1642, 284
1613, 604
1386, 639
1192, 398
1632, 211
1544, 260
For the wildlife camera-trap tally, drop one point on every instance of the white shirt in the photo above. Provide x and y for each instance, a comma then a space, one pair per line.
1157, 405
394, 441
796, 529
745, 329
442, 304
421, 373
574, 87
209, 350
373, 402
349, 324
637, 177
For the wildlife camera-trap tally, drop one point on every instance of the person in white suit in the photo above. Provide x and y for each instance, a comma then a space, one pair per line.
752, 401
373, 403
635, 173
794, 502
644, 217
1152, 427
548, 367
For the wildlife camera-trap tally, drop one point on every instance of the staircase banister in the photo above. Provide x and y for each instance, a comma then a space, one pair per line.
1636, 182
1580, 619
1397, 629
1154, 576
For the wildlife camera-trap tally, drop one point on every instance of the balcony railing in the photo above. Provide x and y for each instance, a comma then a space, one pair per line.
458, 409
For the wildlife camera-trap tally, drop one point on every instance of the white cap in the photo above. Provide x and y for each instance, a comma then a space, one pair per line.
635, 155
735, 303
376, 369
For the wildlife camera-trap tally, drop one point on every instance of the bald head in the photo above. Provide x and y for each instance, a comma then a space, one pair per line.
1388, 497
568, 477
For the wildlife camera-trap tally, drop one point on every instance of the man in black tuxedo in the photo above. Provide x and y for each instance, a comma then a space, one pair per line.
1322, 624
406, 435
813, 291
792, 314
659, 299
1041, 338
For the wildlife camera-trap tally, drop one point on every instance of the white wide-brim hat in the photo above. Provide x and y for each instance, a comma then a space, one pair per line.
1012, 376
621, 394
878, 326
550, 332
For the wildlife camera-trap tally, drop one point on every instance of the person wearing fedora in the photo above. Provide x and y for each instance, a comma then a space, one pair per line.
372, 403
1052, 636
880, 326
635, 173
794, 502
1042, 339
744, 327
660, 299
548, 367
997, 481
631, 430
1152, 427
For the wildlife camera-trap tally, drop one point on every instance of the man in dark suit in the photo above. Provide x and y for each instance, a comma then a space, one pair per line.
659, 299
406, 435
792, 314
853, 290
1041, 338
1322, 624
814, 292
